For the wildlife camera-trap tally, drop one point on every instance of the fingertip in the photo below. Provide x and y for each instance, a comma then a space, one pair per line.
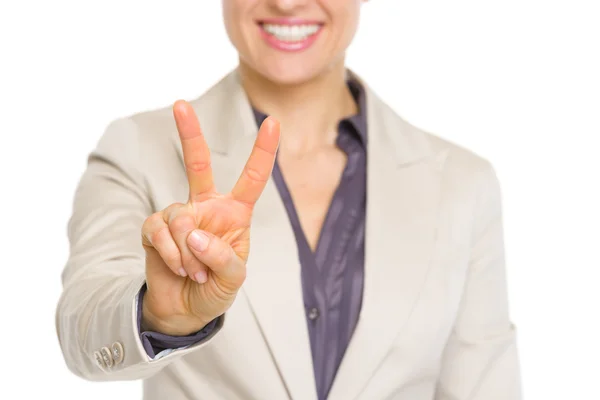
271, 130
272, 124
180, 103
180, 107
201, 276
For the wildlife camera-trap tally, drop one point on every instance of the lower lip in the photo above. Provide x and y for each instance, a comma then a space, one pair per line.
289, 46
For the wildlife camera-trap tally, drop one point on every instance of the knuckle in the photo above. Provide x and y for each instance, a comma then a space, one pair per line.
182, 223
175, 210
197, 167
175, 205
172, 259
254, 175
151, 223
158, 236
171, 210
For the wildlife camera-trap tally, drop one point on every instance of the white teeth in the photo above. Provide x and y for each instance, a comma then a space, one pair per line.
291, 33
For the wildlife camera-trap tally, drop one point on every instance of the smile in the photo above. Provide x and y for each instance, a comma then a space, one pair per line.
290, 34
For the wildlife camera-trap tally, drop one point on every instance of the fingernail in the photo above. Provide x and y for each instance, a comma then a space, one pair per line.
201, 276
182, 272
199, 240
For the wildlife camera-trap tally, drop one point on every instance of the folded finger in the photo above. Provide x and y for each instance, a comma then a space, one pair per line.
156, 234
181, 224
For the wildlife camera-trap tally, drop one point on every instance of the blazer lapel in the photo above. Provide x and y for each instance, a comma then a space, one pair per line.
273, 283
274, 288
403, 193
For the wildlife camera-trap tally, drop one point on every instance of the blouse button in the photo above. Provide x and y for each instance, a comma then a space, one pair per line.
313, 314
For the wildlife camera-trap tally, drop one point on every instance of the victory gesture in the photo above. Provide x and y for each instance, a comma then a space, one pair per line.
196, 252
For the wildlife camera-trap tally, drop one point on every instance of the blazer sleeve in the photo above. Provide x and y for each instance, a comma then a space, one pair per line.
480, 361
104, 273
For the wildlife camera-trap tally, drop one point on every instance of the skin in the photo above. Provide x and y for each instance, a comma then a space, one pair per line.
196, 252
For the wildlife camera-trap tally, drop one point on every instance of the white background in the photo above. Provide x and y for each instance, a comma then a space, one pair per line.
517, 81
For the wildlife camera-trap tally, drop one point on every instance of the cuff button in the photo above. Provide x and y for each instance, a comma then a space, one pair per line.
117, 352
107, 357
99, 359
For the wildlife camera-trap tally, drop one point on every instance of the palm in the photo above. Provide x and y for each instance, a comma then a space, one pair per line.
226, 218
224, 215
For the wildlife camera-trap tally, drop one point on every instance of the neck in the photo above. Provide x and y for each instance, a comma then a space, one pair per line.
308, 112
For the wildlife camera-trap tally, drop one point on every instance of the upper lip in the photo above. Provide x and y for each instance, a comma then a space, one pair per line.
289, 21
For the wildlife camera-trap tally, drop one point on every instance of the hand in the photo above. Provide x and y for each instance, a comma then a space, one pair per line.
196, 252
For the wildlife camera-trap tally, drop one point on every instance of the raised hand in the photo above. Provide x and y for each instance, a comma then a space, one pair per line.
196, 252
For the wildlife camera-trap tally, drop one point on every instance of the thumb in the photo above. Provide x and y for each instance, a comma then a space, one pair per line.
218, 256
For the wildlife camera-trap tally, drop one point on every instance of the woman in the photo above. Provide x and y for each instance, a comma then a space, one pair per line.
378, 280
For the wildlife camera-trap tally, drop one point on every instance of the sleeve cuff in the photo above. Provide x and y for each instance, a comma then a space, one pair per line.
158, 344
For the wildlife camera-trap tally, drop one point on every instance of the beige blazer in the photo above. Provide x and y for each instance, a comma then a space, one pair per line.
434, 322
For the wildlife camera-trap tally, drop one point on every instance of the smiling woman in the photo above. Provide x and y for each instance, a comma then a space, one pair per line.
325, 249
291, 41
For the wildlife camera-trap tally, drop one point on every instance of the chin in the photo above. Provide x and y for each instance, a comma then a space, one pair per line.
290, 72
290, 77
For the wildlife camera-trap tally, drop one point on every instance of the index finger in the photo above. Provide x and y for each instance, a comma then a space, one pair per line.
196, 155
259, 165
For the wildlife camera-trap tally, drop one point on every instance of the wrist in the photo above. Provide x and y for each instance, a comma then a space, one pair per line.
172, 325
